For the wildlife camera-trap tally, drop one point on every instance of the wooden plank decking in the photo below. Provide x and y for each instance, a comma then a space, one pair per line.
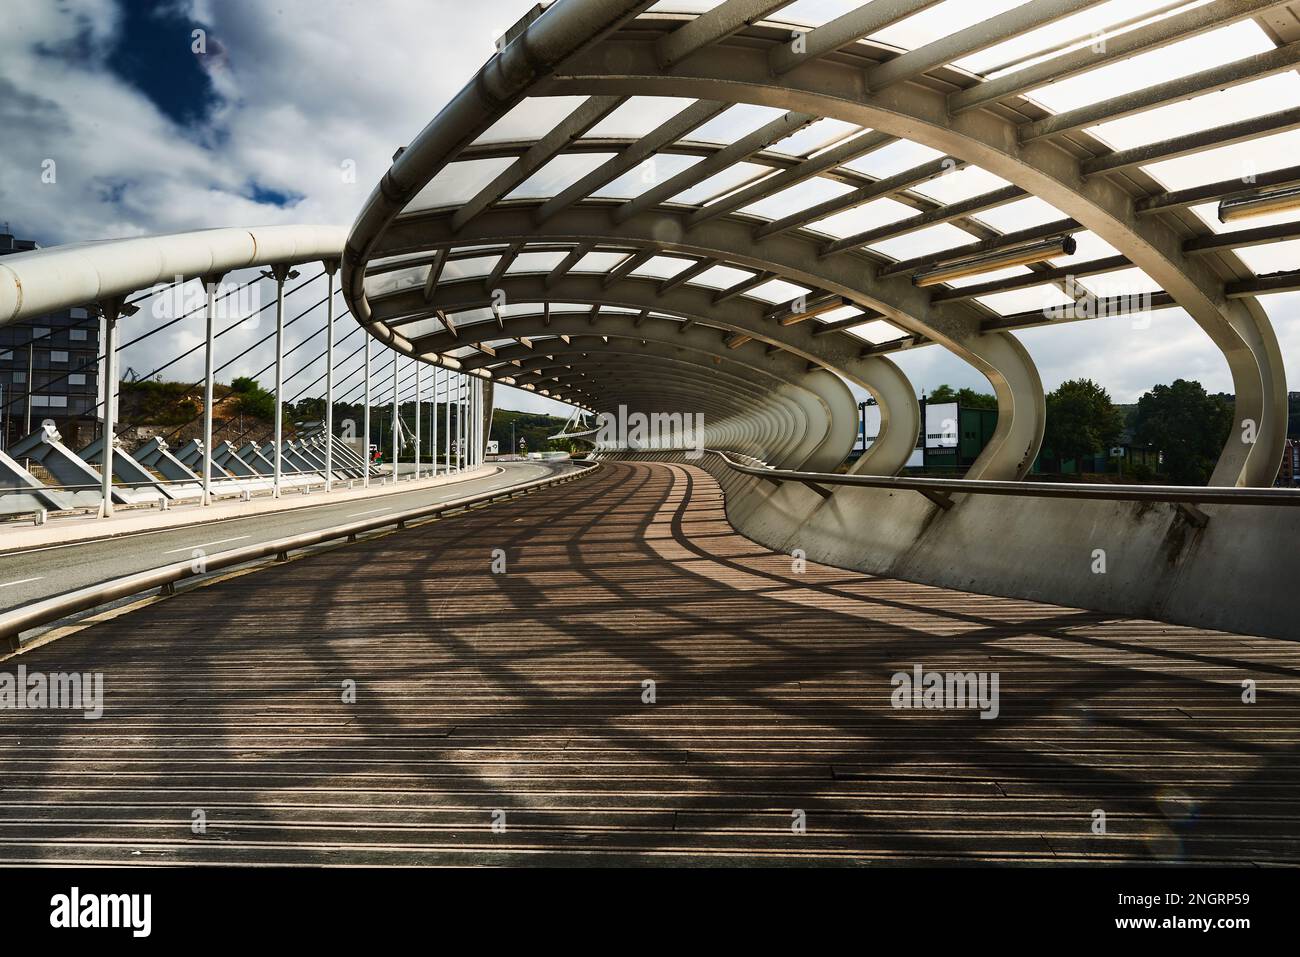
522, 692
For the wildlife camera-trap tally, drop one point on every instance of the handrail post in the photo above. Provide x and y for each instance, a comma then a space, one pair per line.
365, 418
396, 410
280, 274
331, 267
210, 284
433, 422
110, 311
418, 398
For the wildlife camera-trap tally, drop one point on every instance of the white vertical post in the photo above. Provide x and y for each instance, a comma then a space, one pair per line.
446, 404
433, 423
110, 412
419, 397
329, 380
365, 418
462, 437
395, 411
279, 273
209, 382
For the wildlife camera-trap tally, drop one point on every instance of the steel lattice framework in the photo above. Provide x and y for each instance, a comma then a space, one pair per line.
626, 334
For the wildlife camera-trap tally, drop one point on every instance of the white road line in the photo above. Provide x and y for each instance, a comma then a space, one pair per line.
371, 512
222, 541
23, 581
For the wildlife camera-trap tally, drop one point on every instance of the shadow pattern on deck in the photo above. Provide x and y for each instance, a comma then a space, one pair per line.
522, 693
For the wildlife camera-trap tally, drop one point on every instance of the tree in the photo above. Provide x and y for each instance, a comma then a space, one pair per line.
311, 409
252, 399
1188, 425
1081, 420
968, 398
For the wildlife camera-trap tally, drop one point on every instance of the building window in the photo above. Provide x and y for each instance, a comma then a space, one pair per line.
19, 377
40, 401
58, 356
6, 356
77, 335
39, 332
58, 401
77, 378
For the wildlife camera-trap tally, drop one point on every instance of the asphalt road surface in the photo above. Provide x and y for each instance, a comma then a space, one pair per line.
43, 572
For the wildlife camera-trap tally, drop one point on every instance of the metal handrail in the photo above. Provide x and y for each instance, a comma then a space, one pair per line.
1173, 494
14, 623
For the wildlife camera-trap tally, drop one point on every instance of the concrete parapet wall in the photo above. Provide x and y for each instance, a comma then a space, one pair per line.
1236, 573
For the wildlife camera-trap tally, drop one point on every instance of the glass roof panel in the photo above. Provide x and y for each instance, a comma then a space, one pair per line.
1209, 214
531, 119
425, 327
1089, 246
559, 174
733, 123
1095, 21
648, 175
662, 267
468, 268
814, 12
815, 136
599, 262
1168, 62
639, 115
879, 212
876, 331
1240, 159
892, 159
1268, 95
960, 184
685, 6
777, 290
456, 181
739, 174
398, 279
1022, 214
720, 277
835, 315
794, 198
1121, 282
1025, 300
923, 242
471, 317
535, 262
941, 20
1275, 257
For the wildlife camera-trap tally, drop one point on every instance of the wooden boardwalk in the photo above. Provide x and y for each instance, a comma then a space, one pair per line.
518, 698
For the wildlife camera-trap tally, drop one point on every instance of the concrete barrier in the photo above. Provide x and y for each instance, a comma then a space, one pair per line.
1142, 559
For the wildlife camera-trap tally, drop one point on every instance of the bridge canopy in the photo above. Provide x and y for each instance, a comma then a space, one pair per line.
735, 208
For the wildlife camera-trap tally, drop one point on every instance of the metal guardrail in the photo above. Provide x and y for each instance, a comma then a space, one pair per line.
1171, 494
242, 487
941, 490
14, 623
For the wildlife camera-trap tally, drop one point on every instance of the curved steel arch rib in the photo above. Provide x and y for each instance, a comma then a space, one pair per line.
1010, 452
900, 413
603, 50
839, 87
650, 354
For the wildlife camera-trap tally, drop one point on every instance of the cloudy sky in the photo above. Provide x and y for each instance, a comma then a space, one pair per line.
289, 98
